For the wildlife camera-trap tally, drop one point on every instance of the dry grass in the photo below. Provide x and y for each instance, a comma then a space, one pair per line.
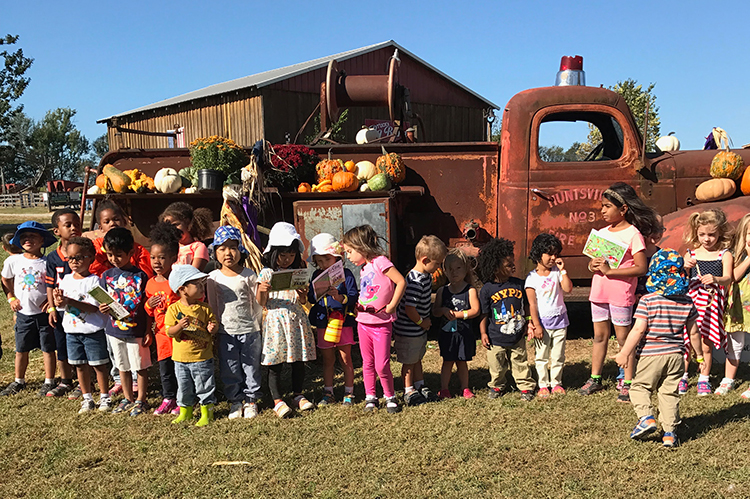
570, 446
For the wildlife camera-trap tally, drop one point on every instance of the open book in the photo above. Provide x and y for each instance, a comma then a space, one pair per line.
116, 310
329, 278
601, 244
289, 279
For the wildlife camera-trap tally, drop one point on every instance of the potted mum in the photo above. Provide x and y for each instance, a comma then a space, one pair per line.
213, 160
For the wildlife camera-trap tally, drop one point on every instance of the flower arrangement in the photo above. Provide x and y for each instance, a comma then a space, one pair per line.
290, 165
217, 153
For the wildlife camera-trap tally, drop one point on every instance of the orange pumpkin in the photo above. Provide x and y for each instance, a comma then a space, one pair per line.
745, 185
392, 165
327, 168
345, 182
326, 188
350, 166
101, 182
304, 187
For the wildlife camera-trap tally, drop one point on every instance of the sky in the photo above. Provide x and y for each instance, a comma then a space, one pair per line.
104, 58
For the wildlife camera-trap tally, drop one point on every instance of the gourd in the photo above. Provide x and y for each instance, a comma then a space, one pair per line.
364, 187
167, 180
350, 166
327, 168
379, 182
668, 143
94, 189
726, 164
120, 182
392, 165
745, 185
317, 187
326, 188
304, 187
345, 182
367, 135
101, 182
715, 189
365, 170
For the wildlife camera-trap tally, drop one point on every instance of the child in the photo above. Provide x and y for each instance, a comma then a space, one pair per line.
652, 246
457, 302
65, 224
544, 289
191, 323
287, 336
660, 319
502, 299
159, 296
194, 225
708, 237
233, 297
83, 323
8, 247
339, 302
613, 290
381, 289
23, 277
128, 338
738, 315
110, 215
413, 319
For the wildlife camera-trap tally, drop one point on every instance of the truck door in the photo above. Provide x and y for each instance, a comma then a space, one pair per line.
566, 182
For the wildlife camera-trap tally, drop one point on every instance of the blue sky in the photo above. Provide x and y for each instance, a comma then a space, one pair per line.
102, 58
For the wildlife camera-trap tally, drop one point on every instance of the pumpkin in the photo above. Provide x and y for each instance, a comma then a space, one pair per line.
365, 170
745, 185
364, 187
350, 166
101, 182
715, 189
367, 135
379, 182
326, 188
120, 182
668, 143
345, 182
167, 180
727, 164
94, 189
304, 187
327, 168
392, 165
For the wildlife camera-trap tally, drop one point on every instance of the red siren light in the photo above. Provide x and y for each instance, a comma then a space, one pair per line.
571, 71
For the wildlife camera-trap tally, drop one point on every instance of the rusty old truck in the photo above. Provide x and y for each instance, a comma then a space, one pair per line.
466, 193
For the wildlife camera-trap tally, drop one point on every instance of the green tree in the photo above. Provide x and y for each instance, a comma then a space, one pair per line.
57, 149
12, 85
556, 154
636, 98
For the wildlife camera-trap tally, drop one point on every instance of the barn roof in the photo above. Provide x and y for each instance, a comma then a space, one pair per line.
275, 75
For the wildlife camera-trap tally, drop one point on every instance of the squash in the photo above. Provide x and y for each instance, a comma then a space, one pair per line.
120, 182
727, 164
668, 143
304, 187
350, 167
364, 187
715, 189
379, 182
392, 165
366, 135
94, 189
101, 182
167, 180
345, 182
327, 168
326, 188
365, 170
745, 185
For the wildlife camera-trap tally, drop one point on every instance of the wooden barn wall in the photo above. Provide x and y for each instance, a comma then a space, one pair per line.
238, 116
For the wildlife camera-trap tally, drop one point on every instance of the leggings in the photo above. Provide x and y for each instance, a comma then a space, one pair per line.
168, 378
274, 373
375, 345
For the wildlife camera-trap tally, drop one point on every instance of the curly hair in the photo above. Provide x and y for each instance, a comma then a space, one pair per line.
86, 244
365, 240
199, 221
167, 236
544, 244
64, 211
643, 217
715, 217
491, 256
108, 204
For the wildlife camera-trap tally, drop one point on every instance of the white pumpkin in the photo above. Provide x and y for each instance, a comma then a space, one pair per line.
167, 180
94, 190
364, 187
367, 135
365, 170
668, 143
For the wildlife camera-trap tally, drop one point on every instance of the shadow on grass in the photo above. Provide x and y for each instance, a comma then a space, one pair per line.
696, 426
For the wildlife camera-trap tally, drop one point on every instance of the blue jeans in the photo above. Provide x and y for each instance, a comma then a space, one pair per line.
195, 380
239, 365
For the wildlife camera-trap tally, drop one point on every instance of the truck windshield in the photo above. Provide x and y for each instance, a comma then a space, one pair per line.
579, 136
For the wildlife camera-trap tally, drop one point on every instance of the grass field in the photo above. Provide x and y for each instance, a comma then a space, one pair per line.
15, 216
570, 446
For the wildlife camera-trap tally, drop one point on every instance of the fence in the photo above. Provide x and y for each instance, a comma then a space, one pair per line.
23, 200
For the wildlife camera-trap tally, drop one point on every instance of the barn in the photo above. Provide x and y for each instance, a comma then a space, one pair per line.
274, 105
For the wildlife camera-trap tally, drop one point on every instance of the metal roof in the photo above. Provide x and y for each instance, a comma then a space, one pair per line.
270, 77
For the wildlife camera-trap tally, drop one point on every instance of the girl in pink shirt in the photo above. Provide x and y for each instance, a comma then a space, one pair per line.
195, 225
613, 290
381, 288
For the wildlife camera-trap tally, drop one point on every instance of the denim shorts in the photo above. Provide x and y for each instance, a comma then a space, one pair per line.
89, 348
34, 331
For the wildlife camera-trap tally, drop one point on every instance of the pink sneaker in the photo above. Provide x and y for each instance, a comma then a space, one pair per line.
115, 390
558, 390
444, 394
176, 409
543, 393
166, 406
468, 394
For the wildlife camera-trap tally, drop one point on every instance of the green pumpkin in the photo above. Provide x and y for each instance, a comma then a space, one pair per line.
379, 182
727, 164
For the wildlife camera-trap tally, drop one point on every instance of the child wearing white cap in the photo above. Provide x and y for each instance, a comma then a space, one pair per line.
287, 336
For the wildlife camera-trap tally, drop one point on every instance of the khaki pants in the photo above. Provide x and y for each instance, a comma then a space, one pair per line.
500, 358
660, 373
550, 356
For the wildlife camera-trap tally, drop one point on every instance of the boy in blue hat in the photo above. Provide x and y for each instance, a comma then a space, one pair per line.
24, 278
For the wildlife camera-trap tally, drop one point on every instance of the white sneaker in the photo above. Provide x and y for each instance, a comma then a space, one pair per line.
87, 406
235, 411
724, 387
250, 410
746, 394
105, 404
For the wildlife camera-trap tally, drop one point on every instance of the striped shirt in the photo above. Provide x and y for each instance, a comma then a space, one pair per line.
666, 316
418, 294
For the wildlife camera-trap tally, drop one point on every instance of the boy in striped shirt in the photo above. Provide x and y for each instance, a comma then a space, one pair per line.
657, 339
413, 319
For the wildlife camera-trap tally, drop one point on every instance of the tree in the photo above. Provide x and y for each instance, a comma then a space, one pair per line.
57, 149
636, 97
555, 154
12, 85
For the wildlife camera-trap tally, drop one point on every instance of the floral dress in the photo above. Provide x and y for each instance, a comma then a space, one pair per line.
287, 335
